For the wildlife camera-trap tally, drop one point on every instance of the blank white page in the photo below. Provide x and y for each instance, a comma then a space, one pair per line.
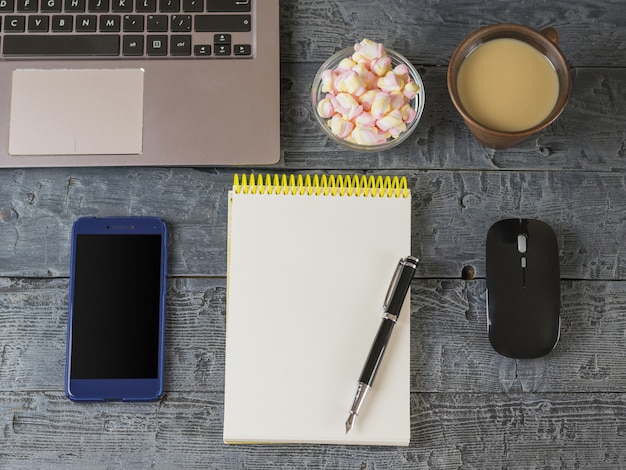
307, 277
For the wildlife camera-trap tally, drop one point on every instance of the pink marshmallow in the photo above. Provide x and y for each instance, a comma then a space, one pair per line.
368, 50
401, 70
408, 113
328, 77
392, 122
397, 99
350, 82
381, 105
345, 65
390, 82
325, 108
411, 89
381, 65
367, 98
346, 105
340, 127
365, 119
365, 135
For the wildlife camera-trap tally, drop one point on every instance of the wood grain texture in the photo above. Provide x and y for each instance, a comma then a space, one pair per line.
592, 32
184, 430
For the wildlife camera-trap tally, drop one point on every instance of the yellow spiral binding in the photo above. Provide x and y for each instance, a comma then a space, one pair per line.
333, 185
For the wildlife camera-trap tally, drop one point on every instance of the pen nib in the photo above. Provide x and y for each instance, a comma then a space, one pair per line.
350, 422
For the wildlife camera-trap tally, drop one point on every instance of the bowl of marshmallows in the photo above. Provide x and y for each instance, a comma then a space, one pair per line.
367, 97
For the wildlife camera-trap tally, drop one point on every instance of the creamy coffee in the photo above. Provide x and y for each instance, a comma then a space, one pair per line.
507, 85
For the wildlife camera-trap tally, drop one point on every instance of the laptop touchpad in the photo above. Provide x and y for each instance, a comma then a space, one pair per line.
68, 112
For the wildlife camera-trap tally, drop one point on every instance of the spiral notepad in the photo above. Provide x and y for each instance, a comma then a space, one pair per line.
310, 259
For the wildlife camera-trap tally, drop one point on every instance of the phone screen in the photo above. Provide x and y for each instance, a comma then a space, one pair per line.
116, 307
116, 320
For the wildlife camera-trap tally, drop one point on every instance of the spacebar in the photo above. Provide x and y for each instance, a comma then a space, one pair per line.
68, 45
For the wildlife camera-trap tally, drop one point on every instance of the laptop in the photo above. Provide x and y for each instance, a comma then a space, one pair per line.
139, 82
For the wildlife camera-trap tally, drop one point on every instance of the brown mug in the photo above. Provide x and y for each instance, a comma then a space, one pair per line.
545, 42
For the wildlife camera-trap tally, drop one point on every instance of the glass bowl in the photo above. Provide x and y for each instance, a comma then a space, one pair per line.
417, 103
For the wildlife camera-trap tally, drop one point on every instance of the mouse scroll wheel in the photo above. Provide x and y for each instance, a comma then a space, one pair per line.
521, 243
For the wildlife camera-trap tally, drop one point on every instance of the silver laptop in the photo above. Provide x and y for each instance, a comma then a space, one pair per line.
139, 82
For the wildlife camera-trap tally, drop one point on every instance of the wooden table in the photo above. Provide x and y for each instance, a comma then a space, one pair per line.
470, 407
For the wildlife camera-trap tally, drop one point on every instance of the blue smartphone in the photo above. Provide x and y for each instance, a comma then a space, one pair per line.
116, 315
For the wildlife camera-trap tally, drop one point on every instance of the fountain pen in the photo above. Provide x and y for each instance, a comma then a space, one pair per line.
398, 289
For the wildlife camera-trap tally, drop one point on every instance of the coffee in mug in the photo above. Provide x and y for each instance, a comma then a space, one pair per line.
508, 82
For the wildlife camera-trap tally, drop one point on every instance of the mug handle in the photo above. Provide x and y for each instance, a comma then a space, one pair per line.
551, 34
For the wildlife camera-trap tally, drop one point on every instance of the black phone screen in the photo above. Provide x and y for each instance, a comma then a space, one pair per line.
116, 298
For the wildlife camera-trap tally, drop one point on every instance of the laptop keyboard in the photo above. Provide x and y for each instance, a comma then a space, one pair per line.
126, 28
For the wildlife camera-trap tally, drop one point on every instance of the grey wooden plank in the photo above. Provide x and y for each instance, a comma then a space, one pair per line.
589, 135
452, 211
44, 430
592, 32
450, 351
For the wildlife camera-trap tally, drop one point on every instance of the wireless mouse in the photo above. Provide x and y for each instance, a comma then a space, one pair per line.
523, 288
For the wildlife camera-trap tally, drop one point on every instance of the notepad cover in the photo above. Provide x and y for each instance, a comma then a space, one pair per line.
307, 277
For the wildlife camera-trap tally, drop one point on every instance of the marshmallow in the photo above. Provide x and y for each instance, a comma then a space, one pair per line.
365, 119
367, 98
346, 105
381, 104
366, 135
411, 89
340, 127
392, 122
345, 64
328, 77
350, 82
391, 82
381, 65
368, 50
325, 108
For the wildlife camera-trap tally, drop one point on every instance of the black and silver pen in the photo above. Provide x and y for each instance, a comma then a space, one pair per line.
398, 289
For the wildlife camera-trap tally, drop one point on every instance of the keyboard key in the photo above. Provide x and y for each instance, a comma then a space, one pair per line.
170, 6
122, 5
133, 23
132, 45
222, 38
98, 5
61, 45
217, 23
144, 6
62, 23
181, 23
228, 5
202, 50
74, 5
156, 45
180, 45
86, 23
6, 6
27, 5
222, 49
242, 49
38, 23
51, 6
110, 23
194, 6
157, 23
14, 24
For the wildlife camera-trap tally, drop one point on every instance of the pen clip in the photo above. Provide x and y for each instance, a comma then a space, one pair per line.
393, 284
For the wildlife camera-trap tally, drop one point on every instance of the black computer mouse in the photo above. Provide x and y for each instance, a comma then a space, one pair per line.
523, 288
